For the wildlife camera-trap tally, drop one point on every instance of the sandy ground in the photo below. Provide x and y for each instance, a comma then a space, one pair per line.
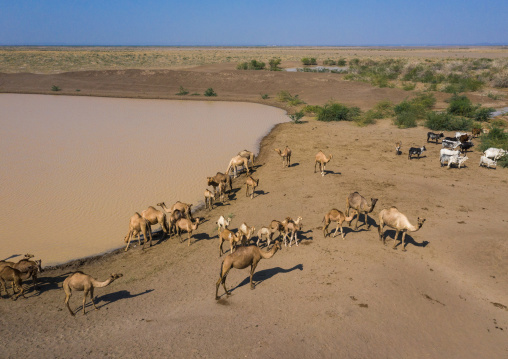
445, 297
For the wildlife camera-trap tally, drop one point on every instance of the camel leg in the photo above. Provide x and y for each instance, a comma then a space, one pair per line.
85, 293
149, 230
296, 238
366, 218
190, 234
2, 286
252, 269
315, 164
325, 230
247, 191
395, 239
91, 297
220, 247
404, 241
356, 222
380, 232
342, 232
128, 242
68, 295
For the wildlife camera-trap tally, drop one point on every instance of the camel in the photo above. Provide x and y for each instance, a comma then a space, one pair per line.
251, 182
84, 283
275, 226
322, 160
286, 156
358, 203
29, 269
242, 258
184, 224
233, 238
138, 225
392, 218
223, 223
184, 208
248, 155
209, 197
218, 178
246, 232
292, 227
264, 231
335, 215
154, 216
222, 192
14, 276
235, 162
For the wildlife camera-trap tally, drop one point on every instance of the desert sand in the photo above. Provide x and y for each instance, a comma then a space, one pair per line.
445, 297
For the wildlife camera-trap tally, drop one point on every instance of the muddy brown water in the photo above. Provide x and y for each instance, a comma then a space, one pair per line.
74, 169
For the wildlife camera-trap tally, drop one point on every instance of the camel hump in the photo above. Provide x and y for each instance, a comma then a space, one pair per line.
393, 207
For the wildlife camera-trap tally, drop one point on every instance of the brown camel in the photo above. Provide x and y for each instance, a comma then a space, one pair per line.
209, 197
359, 203
251, 183
248, 155
222, 192
275, 226
286, 156
242, 258
138, 225
184, 224
184, 208
15, 277
246, 232
335, 215
218, 178
154, 216
235, 162
233, 238
84, 283
29, 269
322, 161
392, 218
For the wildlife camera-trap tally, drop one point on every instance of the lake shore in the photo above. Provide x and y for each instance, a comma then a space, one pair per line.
443, 298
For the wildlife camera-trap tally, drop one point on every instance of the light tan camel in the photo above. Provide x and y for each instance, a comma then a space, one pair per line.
264, 232
275, 226
286, 156
15, 277
84, 283
291, 227
154, 216
184, 208
138, 225
248, 155
359, 203
247, 232
322, 160
335, 215
392, 218
242, 258
184, 224
251, 183
233, 238
209, 197
235, 162
222, 192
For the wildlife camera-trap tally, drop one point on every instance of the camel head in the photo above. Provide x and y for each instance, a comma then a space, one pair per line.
373, 203
331, 156
421, 221
28, 255
278, 151
114, 276
161, 204
278, 245
38, 263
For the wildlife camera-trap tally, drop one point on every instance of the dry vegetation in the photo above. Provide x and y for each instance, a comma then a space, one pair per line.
62, 59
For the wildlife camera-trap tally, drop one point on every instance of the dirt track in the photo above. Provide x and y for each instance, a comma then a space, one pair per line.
444, 298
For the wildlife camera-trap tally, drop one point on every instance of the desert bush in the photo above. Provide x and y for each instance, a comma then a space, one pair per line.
251, 65
498, 123
183, 91
264, 96
311, 109
210, 92
405, 119
365, 120
483, 114
444, 121
408, 86
274, 64
409, 111
341, 62
55, 88
334, 111
496, 138
285, 96
494, 96
500, 80
462, 106
296, 117
329, 62
309, 61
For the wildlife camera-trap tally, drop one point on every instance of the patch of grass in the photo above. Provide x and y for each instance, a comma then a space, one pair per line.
408, 86
334, 111
495, 96
311, 109
210, 92
182, 91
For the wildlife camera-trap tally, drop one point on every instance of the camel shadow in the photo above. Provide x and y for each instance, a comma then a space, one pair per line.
260, 193
13, 256
302, 236
261, 276
331, 172
294, 164
200, 237
48, 283
409, 240
116, 296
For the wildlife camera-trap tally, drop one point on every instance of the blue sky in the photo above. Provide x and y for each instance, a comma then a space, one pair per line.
261, 22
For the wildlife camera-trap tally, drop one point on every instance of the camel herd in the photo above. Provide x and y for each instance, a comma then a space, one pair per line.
178, 219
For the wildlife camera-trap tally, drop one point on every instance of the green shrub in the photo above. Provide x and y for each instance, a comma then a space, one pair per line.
210, 92
264, 96
311, 109
341, 62
274, 64
242, 66
405, 119
296, 117
285, 96
494, 96
55, 88
309, 61
182, 91
380, 80
384, 108
329, 62
365, 120
408, 86
483, 114
444, 121
334, 111
252, 65
496, 138
461, 106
